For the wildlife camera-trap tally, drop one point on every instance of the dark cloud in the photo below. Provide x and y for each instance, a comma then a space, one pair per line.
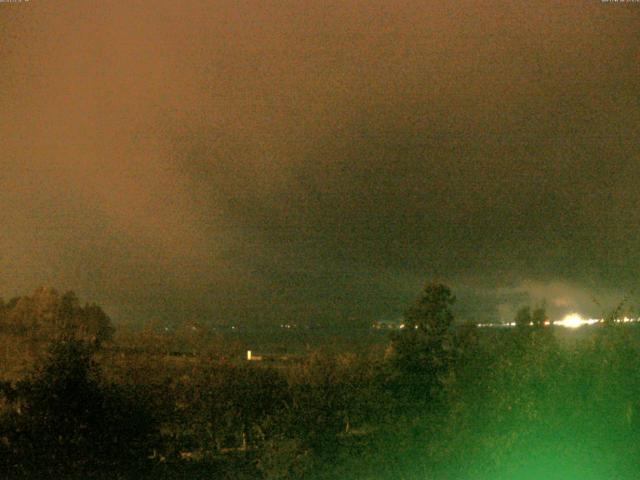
249, 161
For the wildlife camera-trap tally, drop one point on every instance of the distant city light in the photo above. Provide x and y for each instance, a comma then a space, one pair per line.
572, 320
575, 320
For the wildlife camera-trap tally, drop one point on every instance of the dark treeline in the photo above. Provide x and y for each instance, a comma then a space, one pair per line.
47, 314
442, 401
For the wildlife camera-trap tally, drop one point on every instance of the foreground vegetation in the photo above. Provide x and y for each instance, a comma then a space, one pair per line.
439, 402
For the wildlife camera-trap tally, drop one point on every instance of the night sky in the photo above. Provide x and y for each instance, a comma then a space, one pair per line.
318, 161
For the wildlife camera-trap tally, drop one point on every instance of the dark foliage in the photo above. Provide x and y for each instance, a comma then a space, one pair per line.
444, 401
66, 423
47, 314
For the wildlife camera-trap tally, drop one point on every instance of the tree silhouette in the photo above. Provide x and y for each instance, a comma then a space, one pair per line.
67, 422
523, 317
423, 350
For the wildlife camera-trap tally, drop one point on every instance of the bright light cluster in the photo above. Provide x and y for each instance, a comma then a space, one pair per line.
572, 320
575, 320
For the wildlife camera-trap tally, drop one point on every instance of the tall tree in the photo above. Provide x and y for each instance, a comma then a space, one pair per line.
523, 317
423, 349
538, 317
67, 422
48, 314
